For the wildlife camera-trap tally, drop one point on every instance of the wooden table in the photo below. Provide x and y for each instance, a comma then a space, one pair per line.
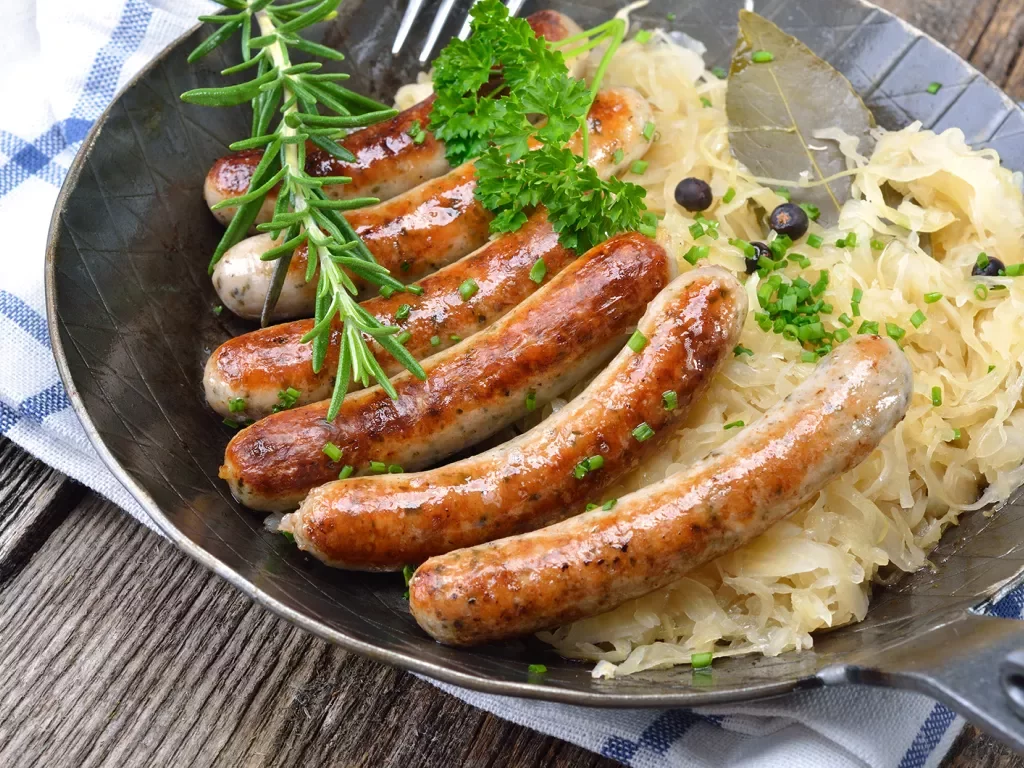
117, 649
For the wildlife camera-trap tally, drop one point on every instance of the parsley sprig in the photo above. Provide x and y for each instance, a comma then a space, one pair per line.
536, 100
293, 104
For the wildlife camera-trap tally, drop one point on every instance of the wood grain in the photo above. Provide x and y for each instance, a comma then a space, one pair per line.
118, 650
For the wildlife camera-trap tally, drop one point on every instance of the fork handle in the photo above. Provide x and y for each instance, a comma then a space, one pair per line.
971, 663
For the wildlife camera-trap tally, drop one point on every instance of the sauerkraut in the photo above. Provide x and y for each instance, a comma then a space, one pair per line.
814, 570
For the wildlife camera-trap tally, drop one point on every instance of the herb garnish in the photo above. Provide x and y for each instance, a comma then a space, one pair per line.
494, 125
293, 104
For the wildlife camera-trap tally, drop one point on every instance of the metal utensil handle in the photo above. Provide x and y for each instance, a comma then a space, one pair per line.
973, 664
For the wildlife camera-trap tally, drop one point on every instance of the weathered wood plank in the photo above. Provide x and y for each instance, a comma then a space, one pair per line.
119, 650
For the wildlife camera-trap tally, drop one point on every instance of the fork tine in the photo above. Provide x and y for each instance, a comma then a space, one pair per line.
464, 32
514, 6
435, 29
407, 21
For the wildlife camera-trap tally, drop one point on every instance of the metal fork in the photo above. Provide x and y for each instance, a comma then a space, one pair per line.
443, 13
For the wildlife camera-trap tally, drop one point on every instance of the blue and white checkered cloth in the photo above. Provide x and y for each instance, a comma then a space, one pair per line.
66, 61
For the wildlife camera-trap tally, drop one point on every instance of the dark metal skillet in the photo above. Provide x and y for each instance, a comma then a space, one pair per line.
130, 313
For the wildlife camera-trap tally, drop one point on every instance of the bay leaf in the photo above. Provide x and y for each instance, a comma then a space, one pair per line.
775, 107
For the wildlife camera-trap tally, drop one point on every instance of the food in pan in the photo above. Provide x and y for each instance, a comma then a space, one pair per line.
752, 351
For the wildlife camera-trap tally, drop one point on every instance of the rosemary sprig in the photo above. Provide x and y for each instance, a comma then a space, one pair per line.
303, 215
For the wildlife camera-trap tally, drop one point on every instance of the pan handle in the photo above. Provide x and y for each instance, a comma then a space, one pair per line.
971, 663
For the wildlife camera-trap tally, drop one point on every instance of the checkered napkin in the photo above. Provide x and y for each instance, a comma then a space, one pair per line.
66, 61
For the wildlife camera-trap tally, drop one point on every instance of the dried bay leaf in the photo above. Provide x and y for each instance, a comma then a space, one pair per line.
775, 107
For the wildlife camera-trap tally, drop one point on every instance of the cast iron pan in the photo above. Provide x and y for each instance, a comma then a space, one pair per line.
130, 317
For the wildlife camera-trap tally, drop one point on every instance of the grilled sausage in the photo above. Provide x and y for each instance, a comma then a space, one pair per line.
254, 367
548, 343
427, 227
545, 475
388, 162
598, 560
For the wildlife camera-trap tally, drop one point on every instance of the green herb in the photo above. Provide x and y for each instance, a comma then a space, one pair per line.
704, 100
990, 369
739, 349
468, 289
236, 404
696, 253
784, 193
286, 398
435, 341
894, 331
648, 225
531, 401
877, 245
218, 309
395, 469
845, 319
762, 57
719, 72
455, 337
730, 193
981, 292
918, 319
982, 260
733, 424
931, 298
840, 335
956, 435
618, 156
851, 240
868, 326
403, 337
332, 451
936, 396
637, 341
701, 660
231, 423
933, 88
379, 467
858, 295
346, 472
416, 132
403, 312
808, 357
288, 535
537, 669
591, 506
643, 36
813, 212
748, 250
609, 505
855, 308
387, 291
643, 432
538, 271
670, 400
1014, 270
293, 104
638, 167
672, 17
814, 241
696, 230
649, 128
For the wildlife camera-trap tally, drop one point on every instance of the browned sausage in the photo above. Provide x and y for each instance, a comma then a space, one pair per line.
256, 366
549, 473
388, 162
425, 228
548, 343
593, 562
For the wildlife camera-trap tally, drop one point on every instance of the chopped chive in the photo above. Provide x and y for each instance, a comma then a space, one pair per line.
643, 432
868, 326
218, 309
455, 337
918, 319
840, 335
638, 167
1014, 270
784, 193
851, 240
811, 332
346, 472
468, 289
286, 398
734, 424
762, 57
956, 435
990, 369
936, 396
379, 467
386, 291
877, 245
855, 308
701, 660
531, 401
332, 451
435, 341
841, 243
730, 193
537, 669
591, 506
407, 572
696, 230
609, 505
649, 128
814, 241
933, 88
236, 404
288, 535
648, 225
395, 469
403, 337
812, 211
846, 320
643, 36
826, 308
858, 295
594, 463
637, 341
981, 292
618, 156
808, 357
231, 423
705, 101
403, 312
739, 349
931, 298
748, 250
894, 331
800, 259
696, 253
670, 400
982, 260
719, 72
538, 271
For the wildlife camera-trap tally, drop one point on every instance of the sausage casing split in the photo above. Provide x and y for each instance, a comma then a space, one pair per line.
256, 366
388, 162
596, 561
425, 228
388, 521
472, 390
